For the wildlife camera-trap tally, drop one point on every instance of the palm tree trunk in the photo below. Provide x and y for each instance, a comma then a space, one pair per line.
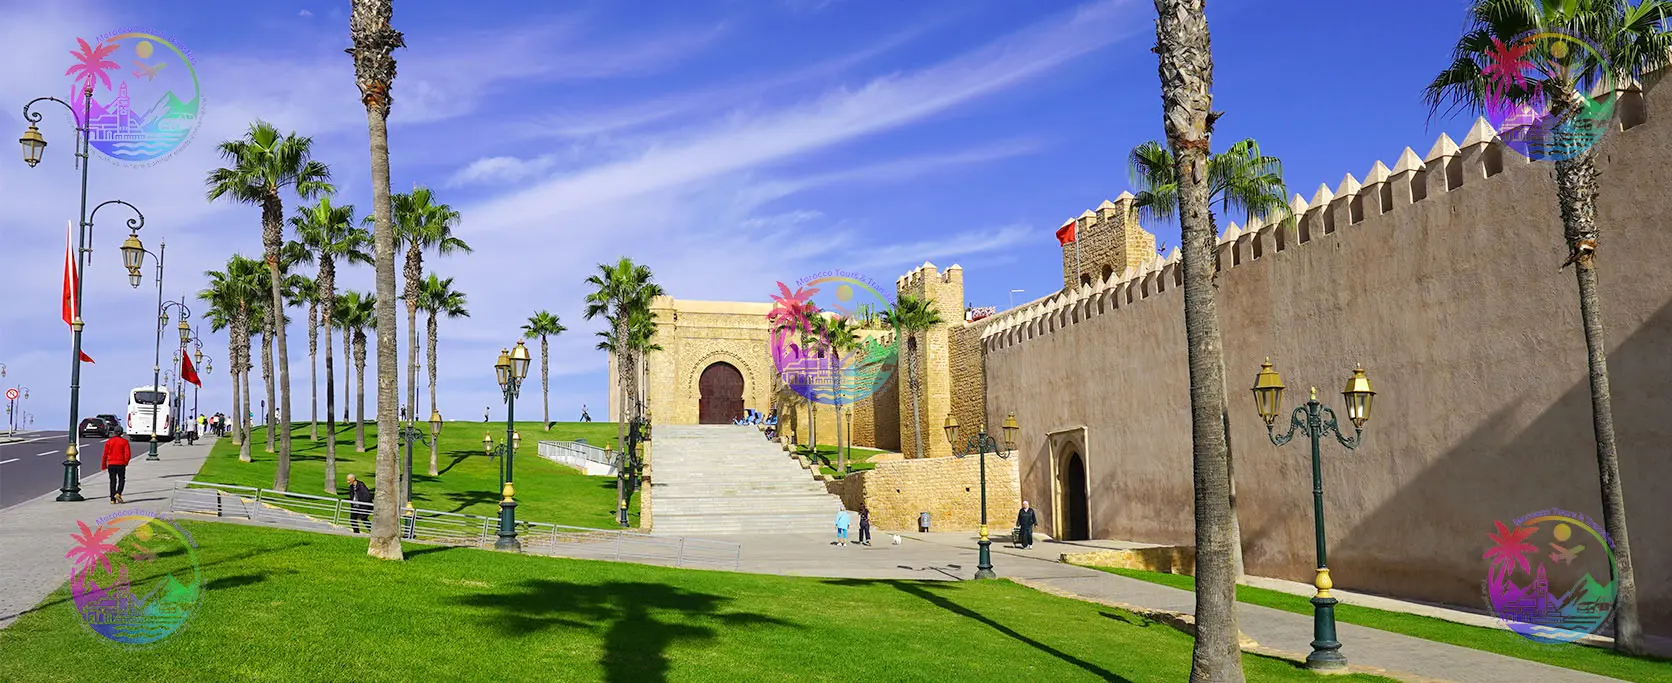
313, 369
272, 218
1576, 189
374, 69
330, 406
360, 391
348, 373
245, 414
624, 370
412, 354
235, 373
836, 400
1186, 75
430, 356
916, 410
545, 386
272, 399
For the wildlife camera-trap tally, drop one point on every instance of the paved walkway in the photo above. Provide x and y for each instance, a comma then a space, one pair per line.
36, 534
952, 556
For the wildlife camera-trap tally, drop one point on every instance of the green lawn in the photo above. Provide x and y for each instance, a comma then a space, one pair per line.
858, 458
1569, 655
292, 606
469, 481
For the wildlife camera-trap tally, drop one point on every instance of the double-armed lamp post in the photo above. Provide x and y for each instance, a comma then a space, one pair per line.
34, 144
1313, 420
979, 445
511, 369
409, 434
162, 322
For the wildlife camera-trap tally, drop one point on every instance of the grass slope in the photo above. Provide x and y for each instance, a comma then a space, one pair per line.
469, 481
1567, 655
292, 606
859, 459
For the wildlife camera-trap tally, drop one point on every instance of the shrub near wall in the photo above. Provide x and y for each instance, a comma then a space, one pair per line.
949, 489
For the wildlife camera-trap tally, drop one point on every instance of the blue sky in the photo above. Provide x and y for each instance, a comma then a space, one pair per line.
728, 144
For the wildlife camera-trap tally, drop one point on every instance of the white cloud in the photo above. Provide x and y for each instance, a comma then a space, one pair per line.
500, 170
880, 105
304, 13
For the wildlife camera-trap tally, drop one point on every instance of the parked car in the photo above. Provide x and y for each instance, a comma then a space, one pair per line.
95, 428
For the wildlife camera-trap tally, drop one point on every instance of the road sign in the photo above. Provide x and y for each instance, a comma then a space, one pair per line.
11, 394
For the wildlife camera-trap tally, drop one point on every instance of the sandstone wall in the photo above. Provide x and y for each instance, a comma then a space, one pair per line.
696, 334
933, 353
948, 488
1440, 276
1108, 241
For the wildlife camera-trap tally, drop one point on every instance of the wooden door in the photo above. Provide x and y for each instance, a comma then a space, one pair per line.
720, 392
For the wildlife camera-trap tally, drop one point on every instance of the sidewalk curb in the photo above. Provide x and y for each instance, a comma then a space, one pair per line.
1186, 623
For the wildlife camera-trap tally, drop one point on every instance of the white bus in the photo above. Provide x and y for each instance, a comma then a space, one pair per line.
144, 403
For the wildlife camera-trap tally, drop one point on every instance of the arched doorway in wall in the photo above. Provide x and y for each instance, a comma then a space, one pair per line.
720, 394
1076, 510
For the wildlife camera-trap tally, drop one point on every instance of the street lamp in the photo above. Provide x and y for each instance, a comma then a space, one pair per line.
34, 147
163, 308
978, 445
509, 369
1313, 420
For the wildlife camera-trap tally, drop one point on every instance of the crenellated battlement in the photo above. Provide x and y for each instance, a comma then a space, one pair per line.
1446, 168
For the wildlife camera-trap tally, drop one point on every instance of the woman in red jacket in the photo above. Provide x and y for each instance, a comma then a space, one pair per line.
116, 456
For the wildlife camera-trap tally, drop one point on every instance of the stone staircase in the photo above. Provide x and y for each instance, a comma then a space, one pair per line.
712, 480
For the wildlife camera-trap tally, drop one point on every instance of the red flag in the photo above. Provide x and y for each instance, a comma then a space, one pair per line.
187, 372
1065, 234
86, 358
70, 298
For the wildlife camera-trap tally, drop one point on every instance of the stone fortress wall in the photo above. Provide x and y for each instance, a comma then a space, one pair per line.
1441, 276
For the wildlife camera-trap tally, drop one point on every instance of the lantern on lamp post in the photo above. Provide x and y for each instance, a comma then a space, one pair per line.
1313, 420
979, 445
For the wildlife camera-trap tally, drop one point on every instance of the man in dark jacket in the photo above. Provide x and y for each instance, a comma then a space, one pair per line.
360, 505
117, 453
1024, 527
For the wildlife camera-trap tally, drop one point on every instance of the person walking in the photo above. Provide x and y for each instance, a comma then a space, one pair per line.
360, 504
1025, 519
842, 521
864, 525
484, 413
117, 453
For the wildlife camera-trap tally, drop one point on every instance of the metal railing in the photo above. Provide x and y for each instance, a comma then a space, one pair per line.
584, 451
307, 512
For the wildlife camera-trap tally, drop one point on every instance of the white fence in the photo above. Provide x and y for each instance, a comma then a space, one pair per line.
582, 456
307, 512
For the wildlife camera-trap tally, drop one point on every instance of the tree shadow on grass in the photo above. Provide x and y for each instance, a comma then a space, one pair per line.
927, 591
238, 580
466, 499
458, 457
640, 621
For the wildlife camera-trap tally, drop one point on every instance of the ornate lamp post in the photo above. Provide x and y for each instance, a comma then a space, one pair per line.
979, 445
34, 145
627, 467
510, 369
1313, 420
409, 433
163, 308
206, 366
11, 408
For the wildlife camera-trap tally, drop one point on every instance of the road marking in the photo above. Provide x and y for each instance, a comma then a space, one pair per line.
2, 462
46, 453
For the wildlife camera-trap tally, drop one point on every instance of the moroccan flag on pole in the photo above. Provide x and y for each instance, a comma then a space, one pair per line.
187, 372
71, 301
1065, 234
86, 358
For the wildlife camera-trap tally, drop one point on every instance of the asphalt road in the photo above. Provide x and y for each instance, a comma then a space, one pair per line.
35, 465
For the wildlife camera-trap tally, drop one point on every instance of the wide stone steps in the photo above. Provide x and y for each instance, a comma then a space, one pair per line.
726, 479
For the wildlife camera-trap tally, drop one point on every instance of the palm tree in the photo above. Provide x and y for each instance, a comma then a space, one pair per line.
641, 329
1630, 42
543, 325
233, 295
260, 167
1186, 72
843, 336
356, 313
375, 41
911, 316
1240, 179
421, 225
329, 233
437, 298
619, 293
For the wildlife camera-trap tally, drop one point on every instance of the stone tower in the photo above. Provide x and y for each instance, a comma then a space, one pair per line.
1109, 241
934, 379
